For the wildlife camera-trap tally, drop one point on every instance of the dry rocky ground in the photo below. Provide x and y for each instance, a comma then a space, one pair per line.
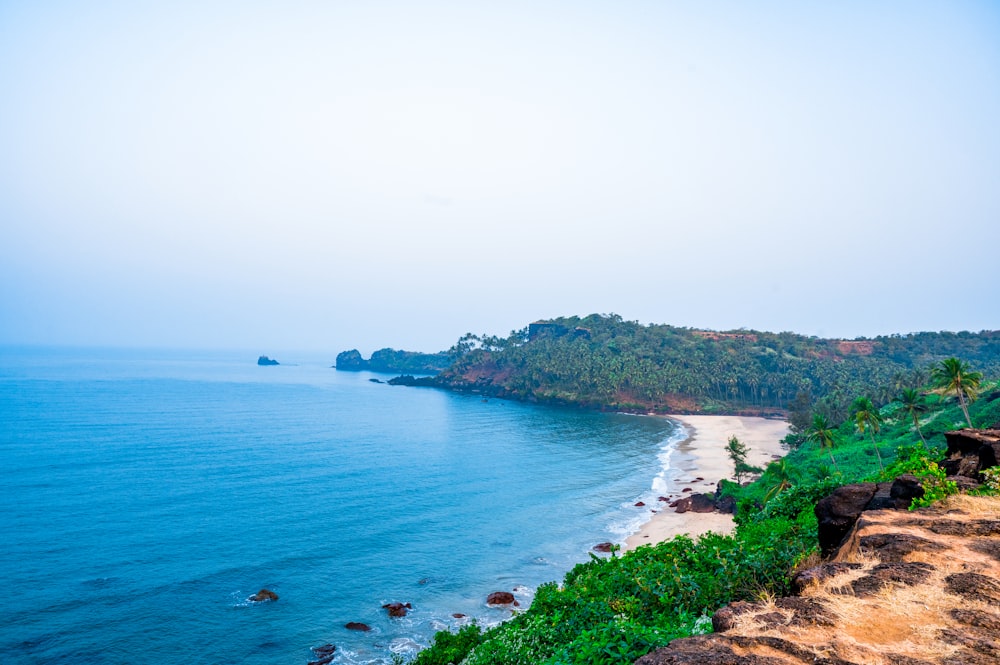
906, 588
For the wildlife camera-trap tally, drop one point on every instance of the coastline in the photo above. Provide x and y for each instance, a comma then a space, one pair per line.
703, 455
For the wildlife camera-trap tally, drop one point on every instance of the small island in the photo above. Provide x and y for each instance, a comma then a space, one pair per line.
264, 361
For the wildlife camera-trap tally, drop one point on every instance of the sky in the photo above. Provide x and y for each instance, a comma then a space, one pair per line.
333, 175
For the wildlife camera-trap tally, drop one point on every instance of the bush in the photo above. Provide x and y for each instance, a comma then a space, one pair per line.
450, 648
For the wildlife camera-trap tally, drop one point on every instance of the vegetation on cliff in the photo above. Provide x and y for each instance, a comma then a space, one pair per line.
604, 362
614, 610
394, 361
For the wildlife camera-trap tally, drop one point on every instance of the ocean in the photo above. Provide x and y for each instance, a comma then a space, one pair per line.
147, 494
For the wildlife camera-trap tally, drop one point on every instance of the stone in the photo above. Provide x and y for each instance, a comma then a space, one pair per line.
603, 547
702, 503
726, 504
896, 546
639, 504
357, 625
263, 595
397, 609
838, 512
905, 489
264, 361
820, 574
500, 598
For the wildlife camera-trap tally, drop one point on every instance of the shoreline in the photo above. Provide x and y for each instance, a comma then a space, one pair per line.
703, 455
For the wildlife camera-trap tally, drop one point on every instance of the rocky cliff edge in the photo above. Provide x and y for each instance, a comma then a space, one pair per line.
905, 588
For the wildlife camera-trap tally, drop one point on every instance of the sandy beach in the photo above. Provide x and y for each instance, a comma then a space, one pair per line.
703, 455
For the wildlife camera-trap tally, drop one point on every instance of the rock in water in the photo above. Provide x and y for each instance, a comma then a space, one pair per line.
397, 609
500, 598
357, 625
264, 361
262, 596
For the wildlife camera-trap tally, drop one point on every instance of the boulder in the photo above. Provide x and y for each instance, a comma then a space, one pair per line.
726, 504
639, 504
500, 598
838, 512
397, 609
357, 625
702, 503
264, 361
263, 595
904, 490
325, 653
603, 547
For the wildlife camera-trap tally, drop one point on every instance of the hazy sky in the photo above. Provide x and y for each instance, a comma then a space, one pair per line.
328, 175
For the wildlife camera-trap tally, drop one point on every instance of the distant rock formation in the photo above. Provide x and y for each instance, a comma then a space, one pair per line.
351, 361
264, 361
394, 361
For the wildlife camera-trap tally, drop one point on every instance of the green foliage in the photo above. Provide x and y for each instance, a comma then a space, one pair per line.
918, 460
450, 648
602, 361
952, 375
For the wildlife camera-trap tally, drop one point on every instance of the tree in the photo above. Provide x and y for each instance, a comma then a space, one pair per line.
913, 403
821, 432
952, 375
867, 417
779, 478
737, 451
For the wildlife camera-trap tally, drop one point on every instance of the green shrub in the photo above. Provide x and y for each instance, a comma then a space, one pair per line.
450, 648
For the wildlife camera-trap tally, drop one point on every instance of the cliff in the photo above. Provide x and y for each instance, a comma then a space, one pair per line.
906, 588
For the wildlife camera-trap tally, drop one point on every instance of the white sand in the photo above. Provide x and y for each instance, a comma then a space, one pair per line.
707, 444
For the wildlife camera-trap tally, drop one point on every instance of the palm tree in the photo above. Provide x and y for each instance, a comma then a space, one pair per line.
821, 432
780, 477
867, 417
913, 403
952, 375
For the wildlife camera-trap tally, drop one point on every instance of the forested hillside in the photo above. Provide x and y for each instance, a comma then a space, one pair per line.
602, 361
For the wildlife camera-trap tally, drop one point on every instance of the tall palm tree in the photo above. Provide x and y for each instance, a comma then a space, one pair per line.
951, 375
914, 404
867, 417
821, 432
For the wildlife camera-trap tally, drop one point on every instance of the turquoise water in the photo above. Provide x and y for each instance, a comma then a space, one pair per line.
147, 494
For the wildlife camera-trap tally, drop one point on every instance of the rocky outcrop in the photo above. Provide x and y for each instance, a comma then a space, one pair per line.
262, 596
350, 361
264, 361
397, 609
501, 598
358, 626
970, 451
838, 512
394, 361
324, 654
905, 588
695, 503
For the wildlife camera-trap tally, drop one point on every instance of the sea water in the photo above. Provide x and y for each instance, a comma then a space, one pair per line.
147, 494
